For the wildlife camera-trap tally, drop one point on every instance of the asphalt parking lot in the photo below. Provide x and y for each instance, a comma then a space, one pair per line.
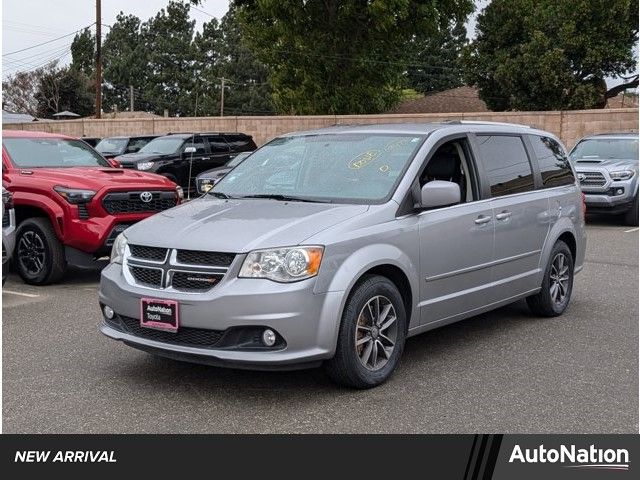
500, 372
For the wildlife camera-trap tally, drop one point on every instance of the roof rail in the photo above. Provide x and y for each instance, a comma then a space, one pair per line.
485, 122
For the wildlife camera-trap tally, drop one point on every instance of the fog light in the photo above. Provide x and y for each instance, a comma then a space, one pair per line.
619, 191
269, 338
108, 312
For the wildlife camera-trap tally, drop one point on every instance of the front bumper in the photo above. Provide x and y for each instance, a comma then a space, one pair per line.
308, 322
605, 198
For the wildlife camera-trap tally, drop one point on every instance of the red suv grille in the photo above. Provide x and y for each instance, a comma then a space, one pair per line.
138, 202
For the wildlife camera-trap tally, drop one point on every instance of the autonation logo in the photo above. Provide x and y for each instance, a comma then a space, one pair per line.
574, 457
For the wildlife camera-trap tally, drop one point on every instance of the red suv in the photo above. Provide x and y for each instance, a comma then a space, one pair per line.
70, 203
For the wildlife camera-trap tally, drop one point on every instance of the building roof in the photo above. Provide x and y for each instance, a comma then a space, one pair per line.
13, 117
66, 113
456, 100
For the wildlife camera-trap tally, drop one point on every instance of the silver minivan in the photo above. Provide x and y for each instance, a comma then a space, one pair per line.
333, 246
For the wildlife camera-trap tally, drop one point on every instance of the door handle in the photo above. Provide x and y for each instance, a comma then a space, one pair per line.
503, 215
206, 158
482, 219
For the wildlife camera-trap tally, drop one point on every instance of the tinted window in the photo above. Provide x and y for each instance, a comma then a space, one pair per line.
237, 142
218, 144
554, 165
507, 165
197, 142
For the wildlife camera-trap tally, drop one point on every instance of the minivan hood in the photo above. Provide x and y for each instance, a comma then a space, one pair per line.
238, 226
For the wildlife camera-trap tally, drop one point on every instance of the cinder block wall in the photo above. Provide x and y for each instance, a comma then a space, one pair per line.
569, 126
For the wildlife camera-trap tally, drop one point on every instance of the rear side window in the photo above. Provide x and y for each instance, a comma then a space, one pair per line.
238, 142
506, 163
218, 144
554, 165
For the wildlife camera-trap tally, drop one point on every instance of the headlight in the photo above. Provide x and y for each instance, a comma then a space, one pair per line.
74, 195
117, 251
287, 264
622, 175
144, 165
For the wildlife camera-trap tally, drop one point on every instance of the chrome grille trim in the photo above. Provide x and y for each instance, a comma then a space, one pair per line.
592, 179
168, 267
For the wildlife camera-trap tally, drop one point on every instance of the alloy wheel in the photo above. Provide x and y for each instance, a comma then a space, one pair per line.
31, 252
559, 279
376, 333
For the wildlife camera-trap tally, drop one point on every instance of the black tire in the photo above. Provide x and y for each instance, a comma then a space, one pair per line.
543, 304
631, 217
36, 236
346, 367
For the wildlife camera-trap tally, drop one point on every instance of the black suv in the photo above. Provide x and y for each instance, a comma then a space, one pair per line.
113, 146
182, 156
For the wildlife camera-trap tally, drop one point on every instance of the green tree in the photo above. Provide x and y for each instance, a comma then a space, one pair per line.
207, 45
83, 51
171, 76
552, 54
125, 59
61, 89
437, 63
333, 57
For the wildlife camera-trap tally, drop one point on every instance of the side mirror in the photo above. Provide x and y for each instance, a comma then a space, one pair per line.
439, 193
190, 150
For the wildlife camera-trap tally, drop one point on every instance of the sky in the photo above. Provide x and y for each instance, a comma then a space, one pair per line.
26, 23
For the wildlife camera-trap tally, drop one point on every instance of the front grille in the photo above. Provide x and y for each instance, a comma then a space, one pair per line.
592, 179
6, 219
151, 277
148, 253
190, 337
194, 257
195, 281
131, 202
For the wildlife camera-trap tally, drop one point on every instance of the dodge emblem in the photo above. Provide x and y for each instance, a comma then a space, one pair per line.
146, 197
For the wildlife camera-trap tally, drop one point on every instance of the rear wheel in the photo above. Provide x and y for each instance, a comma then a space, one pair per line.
372, 335
557, 285
39, 255
631, 217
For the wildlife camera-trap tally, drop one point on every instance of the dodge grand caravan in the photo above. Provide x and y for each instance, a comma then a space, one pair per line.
336, 245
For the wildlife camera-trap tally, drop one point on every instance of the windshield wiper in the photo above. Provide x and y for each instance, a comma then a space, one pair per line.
219, 194
285, 198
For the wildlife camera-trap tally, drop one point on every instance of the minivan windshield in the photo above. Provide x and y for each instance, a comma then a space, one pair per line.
349, 167
606, 148
52, 153
111, 145
163, 145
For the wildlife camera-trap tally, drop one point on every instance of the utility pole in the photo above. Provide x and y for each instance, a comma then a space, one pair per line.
222, 97
98, 58
131, 98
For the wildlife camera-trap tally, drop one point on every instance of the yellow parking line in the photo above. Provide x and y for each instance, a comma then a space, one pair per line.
30, 295
631, 230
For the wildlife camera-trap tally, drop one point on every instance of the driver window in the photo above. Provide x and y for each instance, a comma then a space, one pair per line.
451, 163
197, 142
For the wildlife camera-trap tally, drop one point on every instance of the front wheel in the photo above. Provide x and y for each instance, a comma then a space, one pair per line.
39, 255
371, 336
557, 285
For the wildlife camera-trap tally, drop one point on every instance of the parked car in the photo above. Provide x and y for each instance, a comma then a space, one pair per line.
181, 157
70, 204
8, 231
92, 141
381, 232
206, 180
113, 146
607, 167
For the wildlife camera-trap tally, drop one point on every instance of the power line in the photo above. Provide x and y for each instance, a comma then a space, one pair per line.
49, 41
